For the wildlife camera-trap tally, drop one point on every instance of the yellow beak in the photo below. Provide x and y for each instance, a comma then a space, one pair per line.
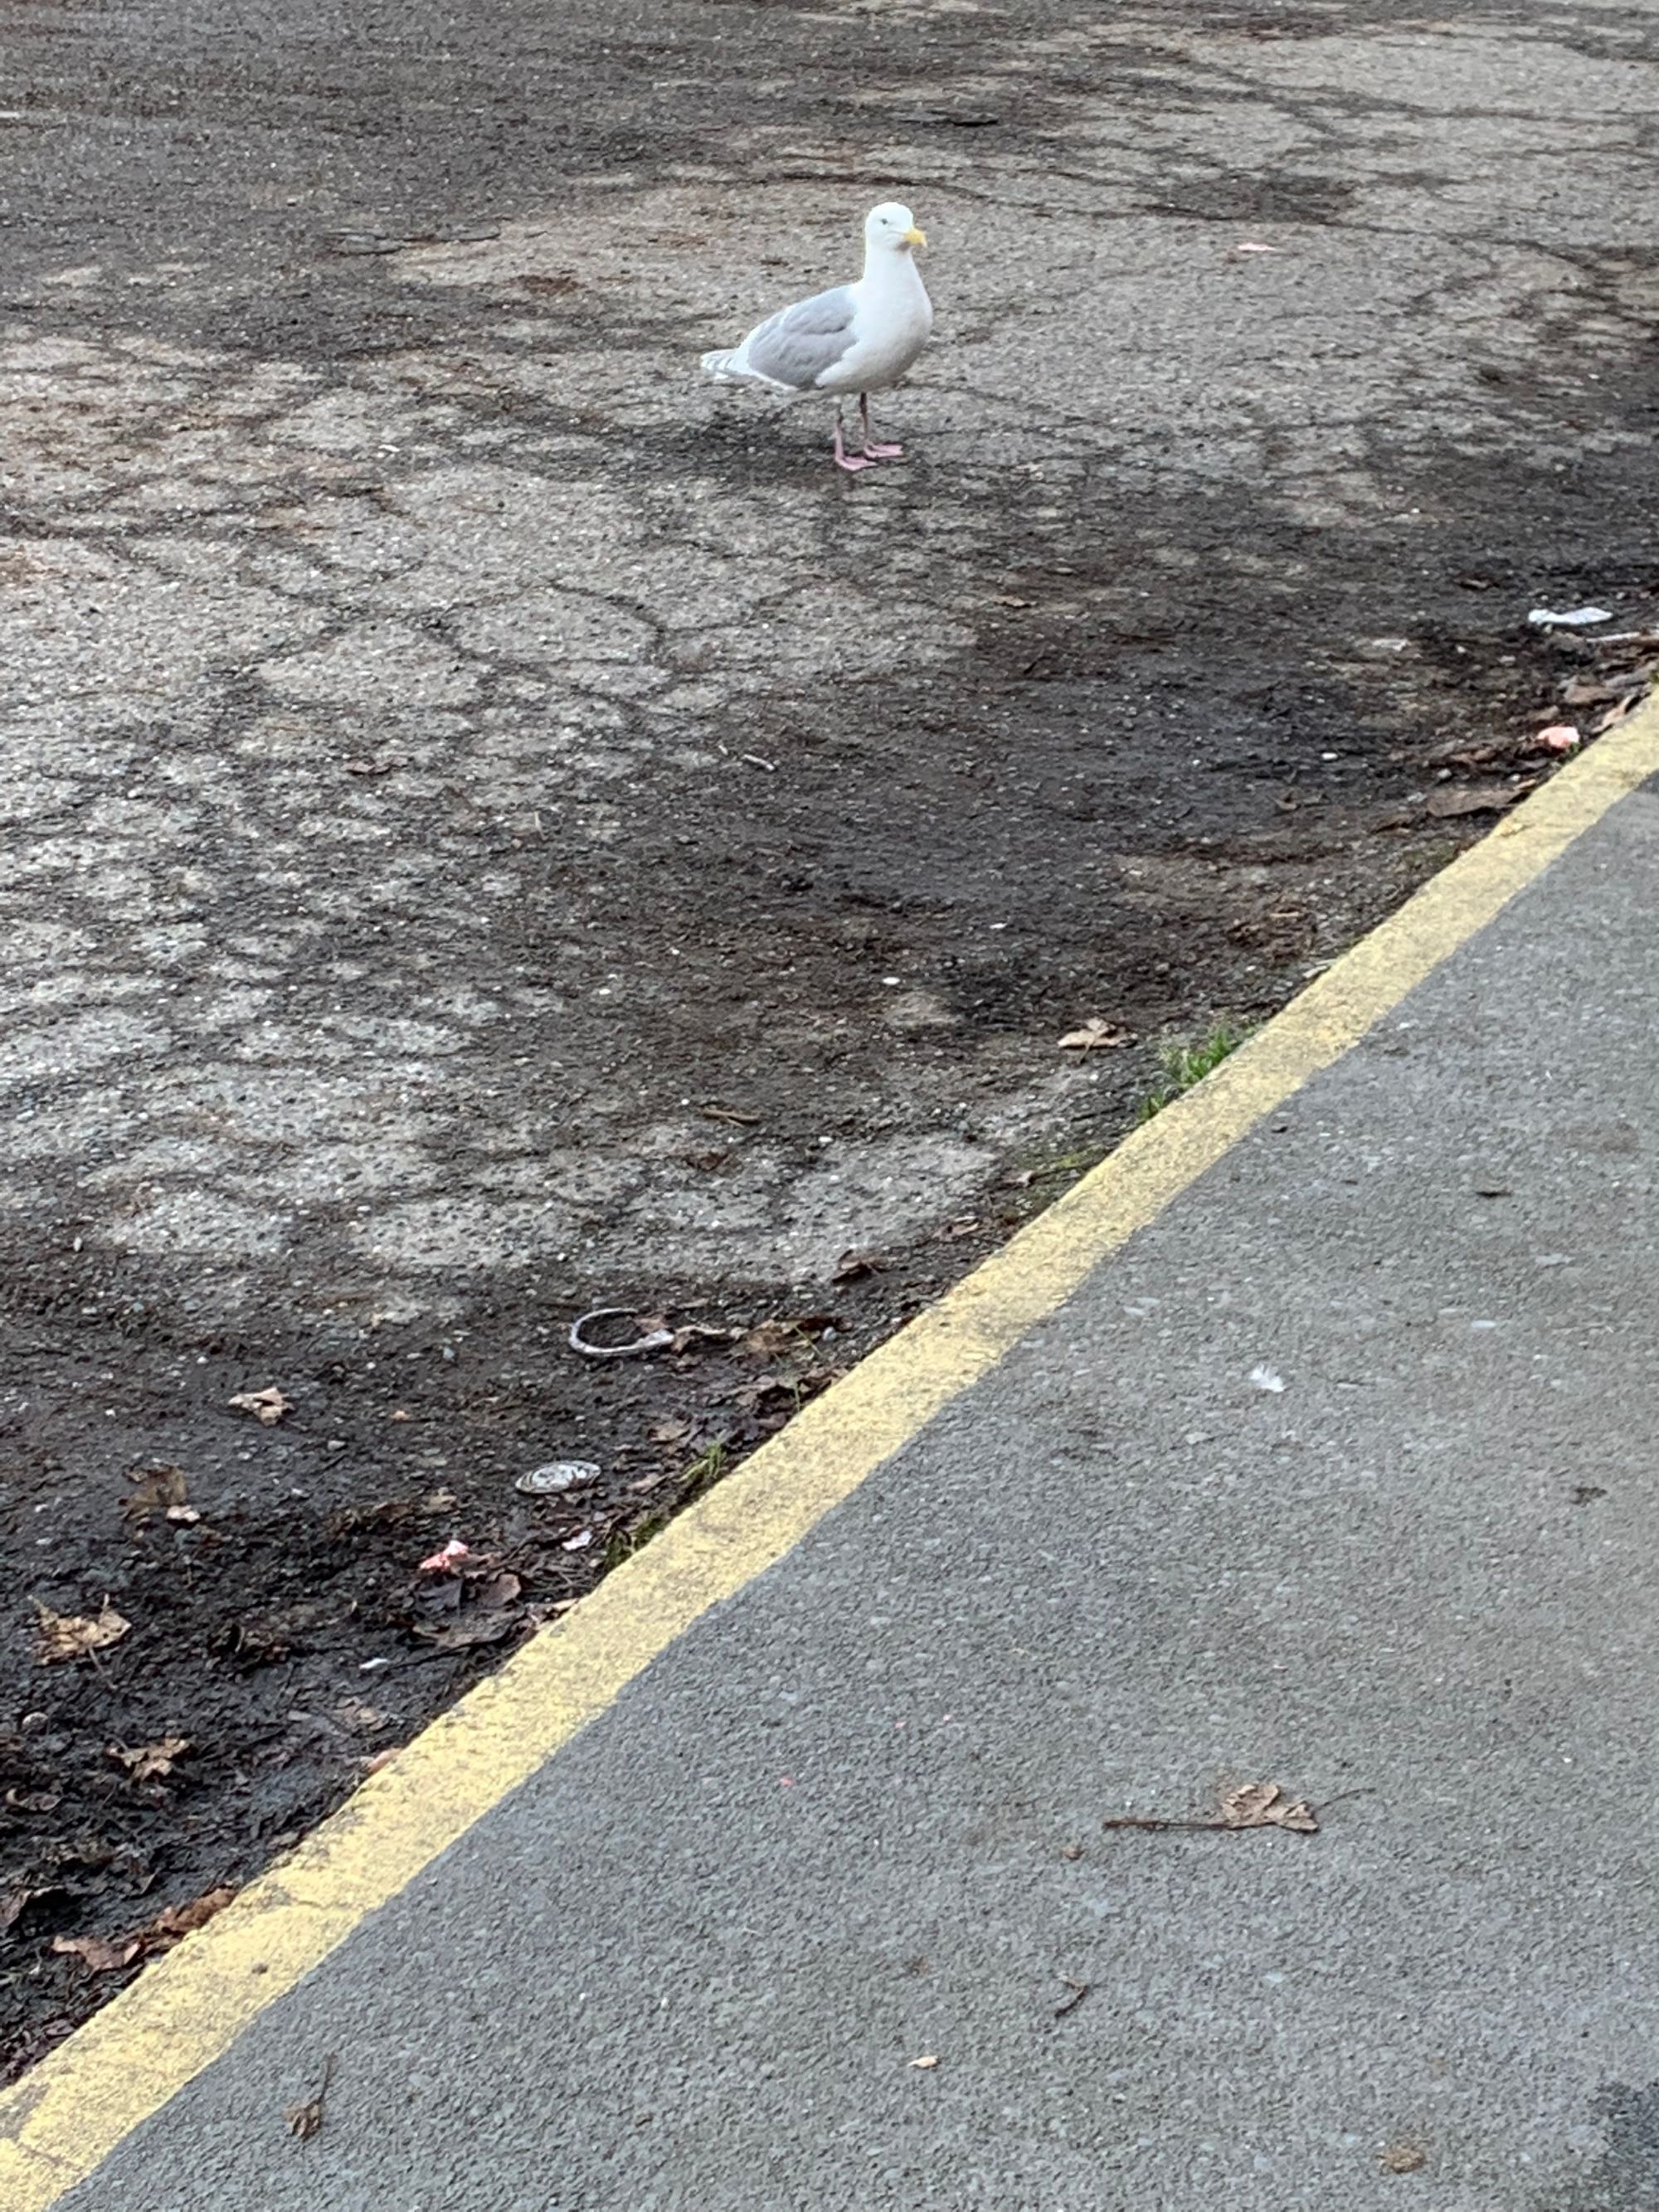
915, 238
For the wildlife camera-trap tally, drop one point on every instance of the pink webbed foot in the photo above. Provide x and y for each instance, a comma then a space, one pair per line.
851, 462
873, 447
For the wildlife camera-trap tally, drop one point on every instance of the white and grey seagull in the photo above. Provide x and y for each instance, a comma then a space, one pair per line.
859, 338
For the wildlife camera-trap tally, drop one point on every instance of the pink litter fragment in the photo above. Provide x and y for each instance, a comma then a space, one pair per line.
1559, 738
446, 1561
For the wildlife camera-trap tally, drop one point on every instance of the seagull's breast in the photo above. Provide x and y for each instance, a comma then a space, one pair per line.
890, 329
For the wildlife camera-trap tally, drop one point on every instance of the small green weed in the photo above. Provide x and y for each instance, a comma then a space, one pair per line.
700, 1475
1184, 1065
704, 1472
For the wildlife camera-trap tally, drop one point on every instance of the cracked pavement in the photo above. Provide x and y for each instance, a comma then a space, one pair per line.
447, 749
336, 687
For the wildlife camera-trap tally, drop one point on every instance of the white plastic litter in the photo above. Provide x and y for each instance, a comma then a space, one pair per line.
557, 1475
1571, 619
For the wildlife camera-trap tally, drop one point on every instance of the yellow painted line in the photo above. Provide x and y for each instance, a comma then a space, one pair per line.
61, 2120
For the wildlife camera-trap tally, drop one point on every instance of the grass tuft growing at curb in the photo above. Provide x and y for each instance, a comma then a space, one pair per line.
1184, 1065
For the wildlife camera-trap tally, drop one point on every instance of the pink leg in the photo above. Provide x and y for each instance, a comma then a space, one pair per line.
851, 462
874, 451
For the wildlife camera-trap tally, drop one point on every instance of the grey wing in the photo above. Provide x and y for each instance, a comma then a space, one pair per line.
796, 345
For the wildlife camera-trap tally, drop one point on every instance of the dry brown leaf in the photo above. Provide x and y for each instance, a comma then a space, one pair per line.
1264, 1805
1404, 2158
1253, 1805
1453, 800
773, 1339
97, 1954
479, 1627
305, 2116
493, 1591
184, 1919
670, 1431
353, 1713
72, 1635
1095, 1035
1593, 691
155, 1489
767, 1386
1616, 713
267, 1407
105, 1955
854, 1265
144, 1761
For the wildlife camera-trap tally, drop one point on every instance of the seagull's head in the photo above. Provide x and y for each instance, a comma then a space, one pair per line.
893, 228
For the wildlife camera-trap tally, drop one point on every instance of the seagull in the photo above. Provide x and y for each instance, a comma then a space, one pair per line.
859, 338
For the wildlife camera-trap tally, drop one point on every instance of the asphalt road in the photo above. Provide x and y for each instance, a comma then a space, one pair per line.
492, 827
447, 745
852, 1819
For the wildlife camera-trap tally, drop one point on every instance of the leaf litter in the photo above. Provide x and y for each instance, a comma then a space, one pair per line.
1403, 2157
102, 1954
260, 1625
1454, 800
1096, 1036
62, 1637
1251, 1805
267, 1407
146, 1762
99, 1954
156, 1489
304, 2115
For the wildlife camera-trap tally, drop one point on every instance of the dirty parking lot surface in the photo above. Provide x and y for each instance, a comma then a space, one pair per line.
494, 828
